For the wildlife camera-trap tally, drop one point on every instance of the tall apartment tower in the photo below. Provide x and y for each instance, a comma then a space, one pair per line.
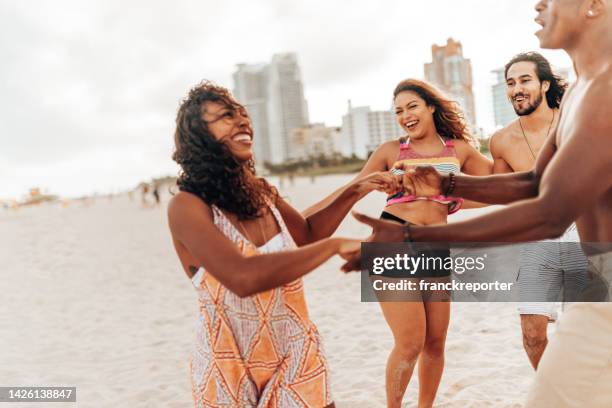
251, 89
287, 107
502, 108
274, 95
452, 73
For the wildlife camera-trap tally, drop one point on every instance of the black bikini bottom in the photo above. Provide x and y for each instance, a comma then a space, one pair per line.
435, 262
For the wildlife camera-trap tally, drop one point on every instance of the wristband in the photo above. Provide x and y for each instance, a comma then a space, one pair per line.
451, 184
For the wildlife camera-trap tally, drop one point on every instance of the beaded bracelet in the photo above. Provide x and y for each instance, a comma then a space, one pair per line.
451, 184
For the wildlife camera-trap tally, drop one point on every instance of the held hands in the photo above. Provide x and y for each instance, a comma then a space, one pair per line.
382, 231
421, 181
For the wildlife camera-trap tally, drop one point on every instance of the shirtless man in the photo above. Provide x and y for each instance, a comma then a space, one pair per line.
535, 93
572, 181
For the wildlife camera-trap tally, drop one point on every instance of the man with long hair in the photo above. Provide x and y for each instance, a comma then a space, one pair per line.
535, 93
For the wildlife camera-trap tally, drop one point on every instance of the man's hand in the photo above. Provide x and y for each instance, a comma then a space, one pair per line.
421, 181
382, 231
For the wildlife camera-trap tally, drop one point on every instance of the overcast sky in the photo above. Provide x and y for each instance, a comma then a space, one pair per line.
90, 89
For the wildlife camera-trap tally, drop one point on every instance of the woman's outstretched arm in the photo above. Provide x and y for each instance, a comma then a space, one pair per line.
323, 218
192, 227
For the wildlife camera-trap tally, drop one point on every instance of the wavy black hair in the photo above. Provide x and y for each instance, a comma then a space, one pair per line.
208, 168
558, 85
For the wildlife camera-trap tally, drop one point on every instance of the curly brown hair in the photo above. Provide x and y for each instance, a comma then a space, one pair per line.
208, 168
448, 117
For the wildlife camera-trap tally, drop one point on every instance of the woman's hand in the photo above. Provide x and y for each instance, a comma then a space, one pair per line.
383, 181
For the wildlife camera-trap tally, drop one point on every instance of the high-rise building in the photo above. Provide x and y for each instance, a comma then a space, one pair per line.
452, 73
364, 130
274, 96
502, 108
251, 89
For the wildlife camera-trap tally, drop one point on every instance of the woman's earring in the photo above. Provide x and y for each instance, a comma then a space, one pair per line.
590, 13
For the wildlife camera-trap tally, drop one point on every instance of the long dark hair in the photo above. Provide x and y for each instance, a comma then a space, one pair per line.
208, 168
558, 85
448, 117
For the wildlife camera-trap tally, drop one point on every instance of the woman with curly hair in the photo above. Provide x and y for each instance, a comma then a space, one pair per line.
245, 250
435, 134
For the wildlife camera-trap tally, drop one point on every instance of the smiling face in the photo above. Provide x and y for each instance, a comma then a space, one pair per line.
414, 115
523, 88
562, 22
231, 125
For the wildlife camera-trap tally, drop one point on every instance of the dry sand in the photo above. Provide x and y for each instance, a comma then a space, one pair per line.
94, 297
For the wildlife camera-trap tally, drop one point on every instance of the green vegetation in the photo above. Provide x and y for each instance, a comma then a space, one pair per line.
317, 166
484, 147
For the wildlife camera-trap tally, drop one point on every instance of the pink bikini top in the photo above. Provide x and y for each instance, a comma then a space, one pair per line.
444, 162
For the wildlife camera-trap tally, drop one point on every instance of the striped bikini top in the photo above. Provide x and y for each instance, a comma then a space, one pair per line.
444, 162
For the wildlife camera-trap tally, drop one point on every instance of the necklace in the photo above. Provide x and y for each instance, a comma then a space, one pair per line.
527, 140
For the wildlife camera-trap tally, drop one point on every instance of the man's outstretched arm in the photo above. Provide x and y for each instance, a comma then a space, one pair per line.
495, 189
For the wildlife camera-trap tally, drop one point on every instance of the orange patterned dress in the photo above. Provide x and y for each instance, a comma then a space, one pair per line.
261, 351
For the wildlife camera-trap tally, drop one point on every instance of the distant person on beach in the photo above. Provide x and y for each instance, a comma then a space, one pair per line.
245, 250
571, 182
156, 193
548, 269
144, 190
435, 133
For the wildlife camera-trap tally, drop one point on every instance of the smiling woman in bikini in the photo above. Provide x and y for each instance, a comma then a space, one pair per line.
238, 242
435, 134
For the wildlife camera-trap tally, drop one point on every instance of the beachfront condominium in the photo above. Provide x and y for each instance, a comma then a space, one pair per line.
315, 140
363, 130
502, 108
250, 88
287, 108
274, 95
452, 73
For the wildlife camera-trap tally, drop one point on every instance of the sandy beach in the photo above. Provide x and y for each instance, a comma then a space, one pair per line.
94, 297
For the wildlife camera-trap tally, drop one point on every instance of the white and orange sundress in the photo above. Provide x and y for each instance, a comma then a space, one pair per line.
262, 351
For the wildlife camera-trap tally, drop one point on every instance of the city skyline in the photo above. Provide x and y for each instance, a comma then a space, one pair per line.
90, 91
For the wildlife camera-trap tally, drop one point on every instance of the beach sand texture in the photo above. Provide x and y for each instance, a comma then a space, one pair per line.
94, 297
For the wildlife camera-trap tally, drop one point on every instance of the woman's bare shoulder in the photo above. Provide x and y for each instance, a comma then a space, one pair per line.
184, 204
